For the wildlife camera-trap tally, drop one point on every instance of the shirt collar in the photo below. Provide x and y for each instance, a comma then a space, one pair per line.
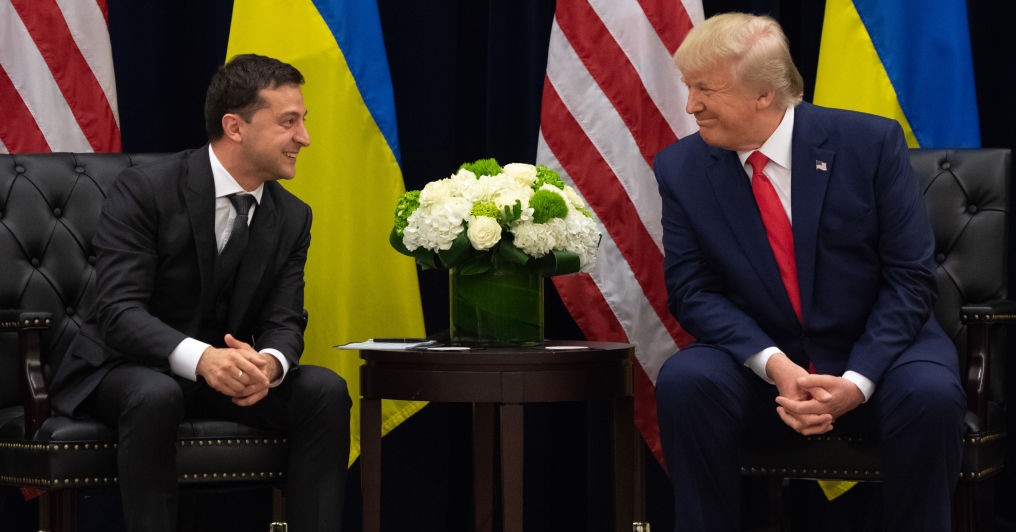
225, 184
778, 146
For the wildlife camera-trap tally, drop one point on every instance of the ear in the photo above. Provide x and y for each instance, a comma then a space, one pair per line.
766, 99
231, 124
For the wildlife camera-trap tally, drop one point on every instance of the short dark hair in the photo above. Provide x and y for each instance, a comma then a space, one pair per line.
234, 88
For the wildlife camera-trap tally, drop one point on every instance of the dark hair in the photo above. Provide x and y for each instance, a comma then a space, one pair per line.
234, 88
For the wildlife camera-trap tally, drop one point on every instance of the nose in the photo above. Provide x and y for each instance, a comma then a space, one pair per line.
302, 136
694, 103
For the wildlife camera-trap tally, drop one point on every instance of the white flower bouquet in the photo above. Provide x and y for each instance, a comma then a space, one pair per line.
485, 216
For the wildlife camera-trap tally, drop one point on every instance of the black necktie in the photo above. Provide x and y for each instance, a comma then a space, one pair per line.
229, 258
238, 236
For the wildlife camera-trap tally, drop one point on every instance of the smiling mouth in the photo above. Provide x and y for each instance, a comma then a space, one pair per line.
290, 154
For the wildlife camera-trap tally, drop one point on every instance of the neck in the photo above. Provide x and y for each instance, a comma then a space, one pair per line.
231, 159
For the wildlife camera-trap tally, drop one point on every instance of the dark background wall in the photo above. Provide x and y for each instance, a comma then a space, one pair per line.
467, 78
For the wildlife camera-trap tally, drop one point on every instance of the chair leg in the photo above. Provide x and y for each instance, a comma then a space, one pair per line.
973, 507
58, 511
278, 504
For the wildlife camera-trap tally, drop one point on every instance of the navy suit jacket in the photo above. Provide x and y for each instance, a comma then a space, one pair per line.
156, 251
862, 242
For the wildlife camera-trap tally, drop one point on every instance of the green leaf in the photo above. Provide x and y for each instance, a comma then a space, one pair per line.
506, 251
396, 241
557, 263
460, 251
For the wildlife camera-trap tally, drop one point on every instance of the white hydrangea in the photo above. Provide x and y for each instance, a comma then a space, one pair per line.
582, 238
436, 225
536, 240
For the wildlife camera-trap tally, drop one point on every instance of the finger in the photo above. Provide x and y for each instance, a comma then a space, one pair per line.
821, 395
812, 430
810, 406
806, 423
248, 369
231, 341
250, 399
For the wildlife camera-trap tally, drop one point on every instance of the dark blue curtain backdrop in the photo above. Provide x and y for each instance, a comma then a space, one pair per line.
467, 78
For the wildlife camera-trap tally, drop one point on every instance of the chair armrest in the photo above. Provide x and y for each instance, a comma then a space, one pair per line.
981, 319
34, 391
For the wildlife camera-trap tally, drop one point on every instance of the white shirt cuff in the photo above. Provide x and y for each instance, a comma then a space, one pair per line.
283, 363
758, 361
863, 383
183, 361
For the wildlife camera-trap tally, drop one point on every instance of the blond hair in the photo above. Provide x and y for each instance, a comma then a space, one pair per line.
756, 48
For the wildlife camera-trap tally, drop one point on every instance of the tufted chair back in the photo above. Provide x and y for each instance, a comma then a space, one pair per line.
49, 208
966, 193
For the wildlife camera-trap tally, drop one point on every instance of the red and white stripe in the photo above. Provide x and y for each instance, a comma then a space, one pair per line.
612, 98
57, 89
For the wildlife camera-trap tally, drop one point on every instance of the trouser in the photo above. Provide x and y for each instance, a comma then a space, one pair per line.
708, 404
311, 406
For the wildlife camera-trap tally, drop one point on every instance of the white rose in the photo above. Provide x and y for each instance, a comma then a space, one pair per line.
521, 173
484, 232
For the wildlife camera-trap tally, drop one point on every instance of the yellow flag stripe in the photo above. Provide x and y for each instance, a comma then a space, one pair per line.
358, 287
850, 74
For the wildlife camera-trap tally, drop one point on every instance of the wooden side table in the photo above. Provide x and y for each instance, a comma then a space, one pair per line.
500, 381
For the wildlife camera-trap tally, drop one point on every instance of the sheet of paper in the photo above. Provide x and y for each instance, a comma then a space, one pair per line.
388, 344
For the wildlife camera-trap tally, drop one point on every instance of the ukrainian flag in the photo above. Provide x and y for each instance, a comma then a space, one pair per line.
358, 286
903, 59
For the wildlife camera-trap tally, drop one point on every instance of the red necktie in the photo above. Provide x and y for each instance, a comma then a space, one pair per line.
774, 217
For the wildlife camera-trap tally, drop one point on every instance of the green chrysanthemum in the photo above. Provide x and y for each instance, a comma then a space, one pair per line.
408, 203
483, 167
547, 175
485, 208
547, 205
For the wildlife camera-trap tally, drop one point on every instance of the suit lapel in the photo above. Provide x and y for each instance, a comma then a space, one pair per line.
733, 193
812, 167
199, 193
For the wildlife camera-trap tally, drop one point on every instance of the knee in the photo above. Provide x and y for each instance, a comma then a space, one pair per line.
691, 375
322, 386
160, 399
934, 401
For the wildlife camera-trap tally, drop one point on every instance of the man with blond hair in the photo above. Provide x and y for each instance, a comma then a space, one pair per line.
799, 254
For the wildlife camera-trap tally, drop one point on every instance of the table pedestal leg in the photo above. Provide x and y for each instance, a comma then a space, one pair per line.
627, 496
483, 467
370, 463
512, 439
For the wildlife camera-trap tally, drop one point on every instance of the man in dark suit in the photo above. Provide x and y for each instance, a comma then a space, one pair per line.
829, 268
189, 321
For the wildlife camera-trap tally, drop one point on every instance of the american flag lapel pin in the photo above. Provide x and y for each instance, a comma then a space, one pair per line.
821, 166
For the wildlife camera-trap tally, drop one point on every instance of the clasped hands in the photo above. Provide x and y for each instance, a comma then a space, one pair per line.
238, 371
810, 403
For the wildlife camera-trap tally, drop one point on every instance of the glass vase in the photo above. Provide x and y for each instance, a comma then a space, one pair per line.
502, 307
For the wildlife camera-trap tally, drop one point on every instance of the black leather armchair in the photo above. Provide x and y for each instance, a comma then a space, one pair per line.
49, 207
967, 196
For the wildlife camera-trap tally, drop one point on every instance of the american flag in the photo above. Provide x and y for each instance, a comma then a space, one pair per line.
57, 89
612, 98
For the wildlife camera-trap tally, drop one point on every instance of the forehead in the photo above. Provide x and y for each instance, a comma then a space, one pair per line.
283, 99
718, 73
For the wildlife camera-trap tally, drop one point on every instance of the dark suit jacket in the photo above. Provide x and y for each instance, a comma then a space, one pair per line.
862, 242
156, 250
